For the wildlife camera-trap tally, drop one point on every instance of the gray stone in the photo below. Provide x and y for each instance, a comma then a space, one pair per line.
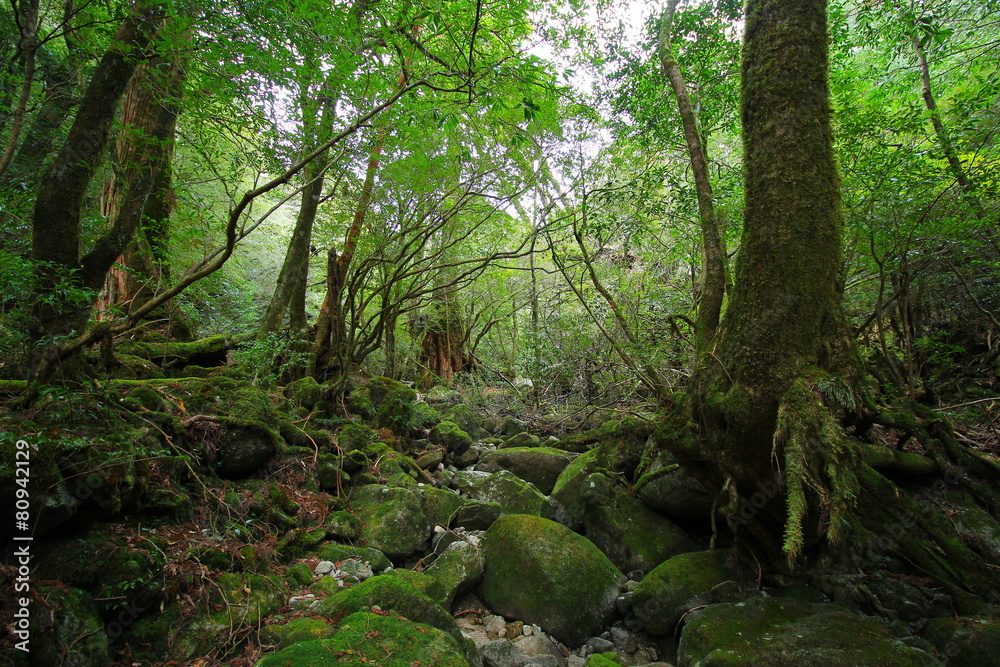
598, 645
502, 653
624, 640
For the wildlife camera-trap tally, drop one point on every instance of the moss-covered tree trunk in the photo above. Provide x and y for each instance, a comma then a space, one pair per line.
769, 403
148, 119
56, 219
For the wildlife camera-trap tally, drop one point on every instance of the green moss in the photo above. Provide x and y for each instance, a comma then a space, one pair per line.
389, 593
298, 574
359, 402
609, 659
393, 519
778, 632
356, 437
427, 585
296, 631
450, 436
440, 505
676, 586
336, 553
366, 639
576, 470
541, 572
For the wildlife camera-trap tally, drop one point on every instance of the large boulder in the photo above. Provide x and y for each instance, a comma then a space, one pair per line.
236, 603
539, 465
633, 536
970, 642
365, 638
393, 519
676, 586
243, 449
569, 488
397, 595
65, 624
440, 505
783, 632
539, 571
668, 489
512, 493
465, 416
450, 436
458, 569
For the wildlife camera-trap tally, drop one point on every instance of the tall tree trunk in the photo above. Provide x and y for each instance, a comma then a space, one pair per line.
442, 346
944, 138
785, 315
289, 293
36, 147
56, 218
27, 19
331, 325
713, 257
148, 119
769, 404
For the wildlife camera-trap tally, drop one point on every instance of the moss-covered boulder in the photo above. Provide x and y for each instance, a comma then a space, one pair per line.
396, 595
477, 515
336, 553
780, 632
521, 440
458, 569
306, 392
236, 602
670, 490
424, 583
366, 639
440, 505
568, 491
244, 448
676, 586
66, 625
512, 493
357, 437
295, 631
393, 519
539, 571
969, 642
396, 410
359, 402
342, 525
539, 465
450, 435
465, 416
633, 536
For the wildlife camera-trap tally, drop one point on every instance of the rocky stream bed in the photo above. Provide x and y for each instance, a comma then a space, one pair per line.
242, 528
